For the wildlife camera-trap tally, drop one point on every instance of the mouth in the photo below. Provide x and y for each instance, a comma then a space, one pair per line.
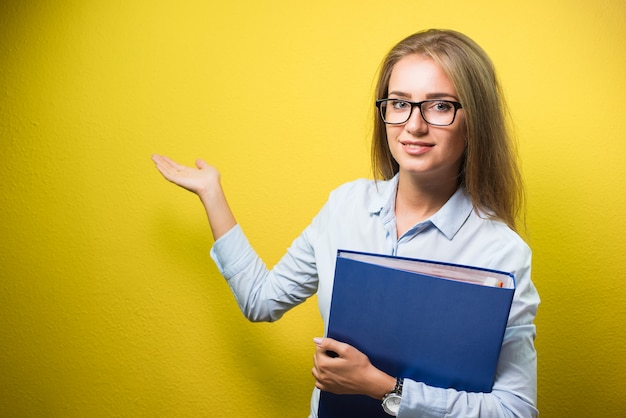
416, 147
417, 144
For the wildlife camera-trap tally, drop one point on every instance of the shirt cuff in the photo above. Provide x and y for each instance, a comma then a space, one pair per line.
232, 252
414, 395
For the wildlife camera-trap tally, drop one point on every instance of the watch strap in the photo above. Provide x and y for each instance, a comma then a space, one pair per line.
391, 401
397, 389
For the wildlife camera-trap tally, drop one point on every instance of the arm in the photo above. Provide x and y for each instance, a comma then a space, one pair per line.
205, 182
514, 391
350, 372
262, 294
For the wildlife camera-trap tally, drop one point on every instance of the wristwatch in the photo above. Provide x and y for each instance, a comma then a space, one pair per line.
391, 401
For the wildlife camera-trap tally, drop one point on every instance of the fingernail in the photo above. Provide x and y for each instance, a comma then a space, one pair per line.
317, 340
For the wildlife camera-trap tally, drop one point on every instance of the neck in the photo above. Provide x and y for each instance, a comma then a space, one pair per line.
417, 201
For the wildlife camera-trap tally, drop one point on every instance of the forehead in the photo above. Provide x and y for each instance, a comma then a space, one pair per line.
418, 76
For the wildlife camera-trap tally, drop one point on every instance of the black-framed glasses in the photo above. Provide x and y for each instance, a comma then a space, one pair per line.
434, 112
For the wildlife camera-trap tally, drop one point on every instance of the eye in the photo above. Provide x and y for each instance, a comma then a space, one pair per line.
440, 106
400, 104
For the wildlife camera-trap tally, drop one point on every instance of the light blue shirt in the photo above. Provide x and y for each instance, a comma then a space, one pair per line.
360, 216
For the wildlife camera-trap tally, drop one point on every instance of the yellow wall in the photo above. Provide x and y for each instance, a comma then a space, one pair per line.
109, 303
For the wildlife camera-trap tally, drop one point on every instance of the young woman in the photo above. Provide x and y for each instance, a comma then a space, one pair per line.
447, 189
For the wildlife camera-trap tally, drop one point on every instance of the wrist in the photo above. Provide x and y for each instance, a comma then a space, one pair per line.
211, 191
393, 399
381, 385
221, 218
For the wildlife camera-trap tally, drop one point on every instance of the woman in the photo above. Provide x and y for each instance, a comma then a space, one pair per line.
448, 189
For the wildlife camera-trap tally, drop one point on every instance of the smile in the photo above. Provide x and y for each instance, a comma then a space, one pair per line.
416, 148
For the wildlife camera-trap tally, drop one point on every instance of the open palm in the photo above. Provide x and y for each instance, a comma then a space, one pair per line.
197, 180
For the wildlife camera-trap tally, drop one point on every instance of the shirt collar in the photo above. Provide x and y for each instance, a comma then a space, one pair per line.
384, 200
448, 220
453, 214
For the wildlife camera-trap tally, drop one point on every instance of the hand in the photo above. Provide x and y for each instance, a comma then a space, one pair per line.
200, 180
342, 369
205, 182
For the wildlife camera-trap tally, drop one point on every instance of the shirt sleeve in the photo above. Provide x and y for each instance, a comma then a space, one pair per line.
266, 294
515, 387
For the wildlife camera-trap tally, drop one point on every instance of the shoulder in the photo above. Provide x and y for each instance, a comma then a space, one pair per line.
357, 198
462, 222
354, 186
503, 232
497, 246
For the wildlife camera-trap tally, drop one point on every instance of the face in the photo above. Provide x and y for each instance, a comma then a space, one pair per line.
423, 151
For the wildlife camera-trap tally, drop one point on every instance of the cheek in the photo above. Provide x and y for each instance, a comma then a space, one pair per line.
462, 129
458, 145
393, 131
458, 138
392, 140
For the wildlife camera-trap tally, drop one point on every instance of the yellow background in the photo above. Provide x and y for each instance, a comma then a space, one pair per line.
109, 302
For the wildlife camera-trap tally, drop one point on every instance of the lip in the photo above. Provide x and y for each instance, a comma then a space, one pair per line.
416, 147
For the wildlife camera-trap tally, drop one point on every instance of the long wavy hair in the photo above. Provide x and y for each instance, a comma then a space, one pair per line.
489, 172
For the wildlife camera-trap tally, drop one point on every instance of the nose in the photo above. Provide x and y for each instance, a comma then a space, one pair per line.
416, 123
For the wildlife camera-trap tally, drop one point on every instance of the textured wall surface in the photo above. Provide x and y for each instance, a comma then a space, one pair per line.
109, 302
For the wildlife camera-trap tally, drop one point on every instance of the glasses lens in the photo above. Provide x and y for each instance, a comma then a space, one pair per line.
395, 111
438, 112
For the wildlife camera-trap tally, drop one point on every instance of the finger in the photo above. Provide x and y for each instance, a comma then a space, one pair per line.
166, 164
333, 348
170, 169
163, 164
172, 165
319, 385
325, 352
315, 371
317, 375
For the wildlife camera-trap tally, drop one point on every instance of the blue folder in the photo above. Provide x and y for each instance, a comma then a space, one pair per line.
424, 327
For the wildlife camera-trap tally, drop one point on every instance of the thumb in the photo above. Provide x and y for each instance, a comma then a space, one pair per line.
200, 163
329, 345
322, 342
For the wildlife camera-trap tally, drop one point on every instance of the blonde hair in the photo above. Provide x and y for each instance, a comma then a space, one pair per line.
489, 172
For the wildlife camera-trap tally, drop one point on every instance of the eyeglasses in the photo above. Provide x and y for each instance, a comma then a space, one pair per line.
434, 112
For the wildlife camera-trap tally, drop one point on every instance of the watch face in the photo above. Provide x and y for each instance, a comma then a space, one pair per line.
391, 404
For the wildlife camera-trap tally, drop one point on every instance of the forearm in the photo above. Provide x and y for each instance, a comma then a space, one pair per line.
262, 294
426, 401
220, 216
380, 384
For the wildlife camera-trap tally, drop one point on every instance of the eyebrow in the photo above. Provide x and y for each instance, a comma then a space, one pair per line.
429, 96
